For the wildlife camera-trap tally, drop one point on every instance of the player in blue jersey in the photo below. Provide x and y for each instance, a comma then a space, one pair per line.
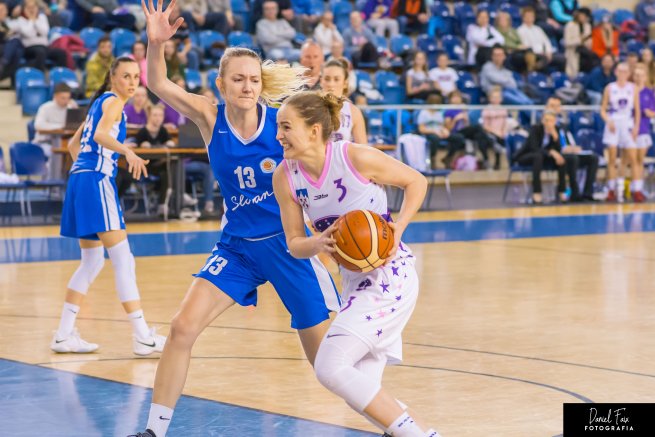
243, 153
92, 211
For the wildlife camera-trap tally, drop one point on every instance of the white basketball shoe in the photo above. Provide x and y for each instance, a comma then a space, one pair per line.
148, 345
72, 344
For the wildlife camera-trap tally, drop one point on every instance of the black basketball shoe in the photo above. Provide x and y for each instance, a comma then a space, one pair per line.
146, 433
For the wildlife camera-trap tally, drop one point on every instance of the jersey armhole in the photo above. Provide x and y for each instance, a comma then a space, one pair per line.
353, 170
287, 171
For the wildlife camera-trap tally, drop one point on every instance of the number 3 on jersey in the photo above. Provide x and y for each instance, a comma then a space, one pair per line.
215, 265
246, 177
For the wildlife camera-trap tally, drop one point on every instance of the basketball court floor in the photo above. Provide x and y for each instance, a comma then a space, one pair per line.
521, 310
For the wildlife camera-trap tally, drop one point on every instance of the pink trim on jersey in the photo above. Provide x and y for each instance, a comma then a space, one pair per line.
326, 168
352, 168
287, 170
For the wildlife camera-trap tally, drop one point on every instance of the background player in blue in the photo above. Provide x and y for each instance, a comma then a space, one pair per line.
92, 211
243, 153
326, 180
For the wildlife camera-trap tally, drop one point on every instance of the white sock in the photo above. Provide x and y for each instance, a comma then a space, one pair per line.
404, 426
159, 419
67, 322
432, 433
611, 184
139, 325
638, 185
620, 184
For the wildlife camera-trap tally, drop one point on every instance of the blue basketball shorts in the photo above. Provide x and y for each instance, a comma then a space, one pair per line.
238, 266
91, 206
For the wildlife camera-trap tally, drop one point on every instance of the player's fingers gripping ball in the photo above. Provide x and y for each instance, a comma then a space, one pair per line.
363, 240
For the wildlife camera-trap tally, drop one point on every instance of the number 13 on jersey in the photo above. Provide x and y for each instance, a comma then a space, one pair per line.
246, 177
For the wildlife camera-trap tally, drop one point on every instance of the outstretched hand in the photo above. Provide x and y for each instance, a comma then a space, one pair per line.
158, 26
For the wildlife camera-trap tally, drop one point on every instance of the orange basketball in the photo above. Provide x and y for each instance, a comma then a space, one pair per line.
364, 240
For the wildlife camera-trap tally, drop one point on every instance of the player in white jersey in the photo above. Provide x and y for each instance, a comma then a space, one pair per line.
92, 211
621, 113
325, 180
352, 125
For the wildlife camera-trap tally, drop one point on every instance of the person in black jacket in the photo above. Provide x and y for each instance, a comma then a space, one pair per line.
543, 150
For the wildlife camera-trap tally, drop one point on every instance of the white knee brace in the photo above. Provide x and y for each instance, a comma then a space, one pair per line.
124, 271
90, 266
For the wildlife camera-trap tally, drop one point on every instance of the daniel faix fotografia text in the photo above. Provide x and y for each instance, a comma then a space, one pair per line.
591, 420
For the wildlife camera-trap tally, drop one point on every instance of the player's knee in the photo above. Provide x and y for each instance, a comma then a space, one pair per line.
93, 259
124, 271
184, 330
329, 366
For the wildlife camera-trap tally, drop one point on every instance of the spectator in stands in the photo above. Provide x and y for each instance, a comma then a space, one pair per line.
431, 125
563, 10
360, 41
337, 51
209, 94
98, 66
326, 33
534, 38
311, 57
645, 15
574, 156
520, 57
649, 63
442, 76
272, 32
543, 148
544, 20
415, 14
11, 49
52, 115
107, 14
495, 121
481, 37
136, 111
306, 16
172, 118
378, 17
632, 59
605, 38
577, 43
32, 28
139, 55
176, 60
285, 12
418, 84
596, 81
208, 14
495, 74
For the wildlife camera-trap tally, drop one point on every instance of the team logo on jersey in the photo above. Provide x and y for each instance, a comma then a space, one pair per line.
303, 197
267, 165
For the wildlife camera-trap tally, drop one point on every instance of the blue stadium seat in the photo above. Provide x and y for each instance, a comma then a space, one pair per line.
491, 9
211, 81
90, 36
621, 15
581, 120
559, 79
381, 44
514, 143
441, 22
63, 74
56, 32
362, 76
542, 85
429, 45
240, 8
341, 11
401, 44
635, 46
598, 14
207, 39
389, 118
465, 17
513, 12
242, 39
34, 96
28, 76
390, 87
467, 85
375, 127
454, 47
122, 41
193, 79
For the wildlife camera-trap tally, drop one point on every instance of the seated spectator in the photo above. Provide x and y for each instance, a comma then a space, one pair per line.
418, 84
139, 55
521, 58
431, 126
457, 122
645, 16
107, 14
208, 14
596, 81
535, 39
32, 28
649, 63
577, 43
632, 59
543, 148
176, 60
52, 115
495, 122
360, 41
311, 57
378, 16
605, 38
415, 14
172, 118
98, 65
544, 20
575, 157
481, 37
326, 33
495, 74
136, 111
563, 10
443, 77
285, 12
11, 49
272, 32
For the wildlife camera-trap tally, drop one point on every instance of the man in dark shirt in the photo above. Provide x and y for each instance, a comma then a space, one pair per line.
596, 81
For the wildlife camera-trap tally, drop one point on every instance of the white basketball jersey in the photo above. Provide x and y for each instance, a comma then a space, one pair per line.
345, 132
340, 189
621, 101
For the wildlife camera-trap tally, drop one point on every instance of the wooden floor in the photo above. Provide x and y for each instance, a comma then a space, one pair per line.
505, 331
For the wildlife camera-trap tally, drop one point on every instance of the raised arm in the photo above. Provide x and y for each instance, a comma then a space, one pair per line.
197, 108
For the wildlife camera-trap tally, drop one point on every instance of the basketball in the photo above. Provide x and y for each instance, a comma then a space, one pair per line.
363, 240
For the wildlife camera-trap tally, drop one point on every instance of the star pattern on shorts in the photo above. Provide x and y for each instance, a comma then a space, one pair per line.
394, 270
393, 310
372, 200
369, 318
385, 287
405, 276
398, 297
379, 332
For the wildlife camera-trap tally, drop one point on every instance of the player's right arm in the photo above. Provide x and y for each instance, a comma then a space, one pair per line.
299, 244
197, 108
603, 109
74, 143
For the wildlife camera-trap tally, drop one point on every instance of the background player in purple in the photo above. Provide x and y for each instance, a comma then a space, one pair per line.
644, 139
243, 153
327, 179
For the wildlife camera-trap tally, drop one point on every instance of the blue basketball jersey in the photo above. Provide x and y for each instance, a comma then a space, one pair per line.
244, 170
93, 156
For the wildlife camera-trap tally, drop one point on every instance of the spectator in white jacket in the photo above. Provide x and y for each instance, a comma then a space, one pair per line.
274, 33
326, 33
481, 36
